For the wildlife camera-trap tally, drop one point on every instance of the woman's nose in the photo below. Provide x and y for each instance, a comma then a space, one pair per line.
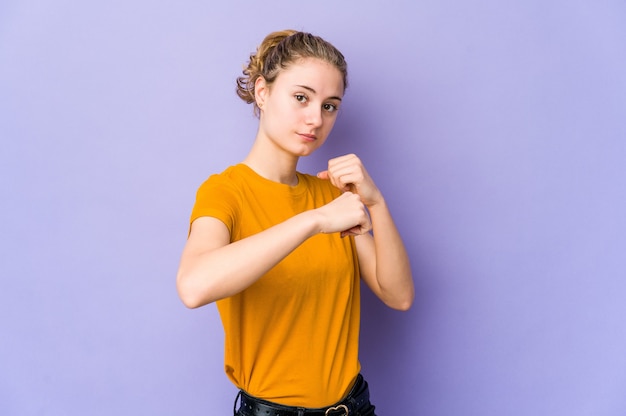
314, 116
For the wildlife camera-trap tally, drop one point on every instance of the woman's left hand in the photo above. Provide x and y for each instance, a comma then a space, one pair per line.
348, 174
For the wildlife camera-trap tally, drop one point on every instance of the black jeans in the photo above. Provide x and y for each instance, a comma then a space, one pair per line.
356, 403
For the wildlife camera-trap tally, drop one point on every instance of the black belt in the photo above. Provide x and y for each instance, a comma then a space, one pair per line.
358, 397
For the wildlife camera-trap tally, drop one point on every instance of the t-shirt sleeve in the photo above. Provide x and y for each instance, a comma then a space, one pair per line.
217, 198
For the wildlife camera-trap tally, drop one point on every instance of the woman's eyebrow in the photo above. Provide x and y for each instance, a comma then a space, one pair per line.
306, 87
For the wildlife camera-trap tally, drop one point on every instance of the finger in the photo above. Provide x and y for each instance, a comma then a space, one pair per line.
344, 182
347, 174
350, 187
340, 159
354, 231
323, 175
334, 179
342, 163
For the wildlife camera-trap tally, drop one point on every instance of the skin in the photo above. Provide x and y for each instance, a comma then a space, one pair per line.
297, 113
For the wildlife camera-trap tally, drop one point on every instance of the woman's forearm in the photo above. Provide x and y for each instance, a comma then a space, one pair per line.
212, 268
392, 266
214, 274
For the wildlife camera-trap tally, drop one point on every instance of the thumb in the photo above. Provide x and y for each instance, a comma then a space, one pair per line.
323, 174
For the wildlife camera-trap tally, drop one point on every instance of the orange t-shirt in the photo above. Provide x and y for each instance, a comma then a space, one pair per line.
292, 337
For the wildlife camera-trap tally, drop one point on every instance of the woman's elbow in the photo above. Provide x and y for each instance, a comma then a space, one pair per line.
190, 301
403, 306
402, 303
189, 294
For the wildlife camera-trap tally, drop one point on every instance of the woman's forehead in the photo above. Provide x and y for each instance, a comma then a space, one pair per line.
313, 74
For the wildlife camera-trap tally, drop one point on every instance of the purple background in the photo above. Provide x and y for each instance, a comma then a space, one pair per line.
497, 130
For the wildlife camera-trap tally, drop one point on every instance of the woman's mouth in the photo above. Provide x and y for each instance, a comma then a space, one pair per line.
309, 137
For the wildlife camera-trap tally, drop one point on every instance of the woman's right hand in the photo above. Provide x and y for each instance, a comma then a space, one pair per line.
346, 214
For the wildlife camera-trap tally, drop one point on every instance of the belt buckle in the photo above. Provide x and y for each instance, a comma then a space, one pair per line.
340, 407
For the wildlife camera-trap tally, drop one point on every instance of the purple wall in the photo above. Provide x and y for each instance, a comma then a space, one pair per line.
496, 128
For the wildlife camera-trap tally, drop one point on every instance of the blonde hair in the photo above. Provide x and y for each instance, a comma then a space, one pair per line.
281, 49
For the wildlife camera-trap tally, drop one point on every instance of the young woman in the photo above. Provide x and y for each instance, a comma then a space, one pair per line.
282, 252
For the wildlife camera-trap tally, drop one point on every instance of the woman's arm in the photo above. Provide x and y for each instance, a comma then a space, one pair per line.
383, 260
212, 268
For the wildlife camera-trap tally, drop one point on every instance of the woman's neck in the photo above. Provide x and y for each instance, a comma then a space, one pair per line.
272, 164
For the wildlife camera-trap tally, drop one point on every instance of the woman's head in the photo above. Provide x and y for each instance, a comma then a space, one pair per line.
277, 52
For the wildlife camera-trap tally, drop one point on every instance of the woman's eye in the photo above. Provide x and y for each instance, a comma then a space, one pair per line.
301, 98
331, 108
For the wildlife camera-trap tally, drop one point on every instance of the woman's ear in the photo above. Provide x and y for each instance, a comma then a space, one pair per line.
261, 89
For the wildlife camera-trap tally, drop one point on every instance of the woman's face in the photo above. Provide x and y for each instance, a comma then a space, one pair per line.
299, 109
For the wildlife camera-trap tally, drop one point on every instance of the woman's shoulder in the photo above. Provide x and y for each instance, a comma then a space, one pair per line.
317, 184
224, 181
231, 174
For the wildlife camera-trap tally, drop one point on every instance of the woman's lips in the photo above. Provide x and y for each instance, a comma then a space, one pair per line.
310, 137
